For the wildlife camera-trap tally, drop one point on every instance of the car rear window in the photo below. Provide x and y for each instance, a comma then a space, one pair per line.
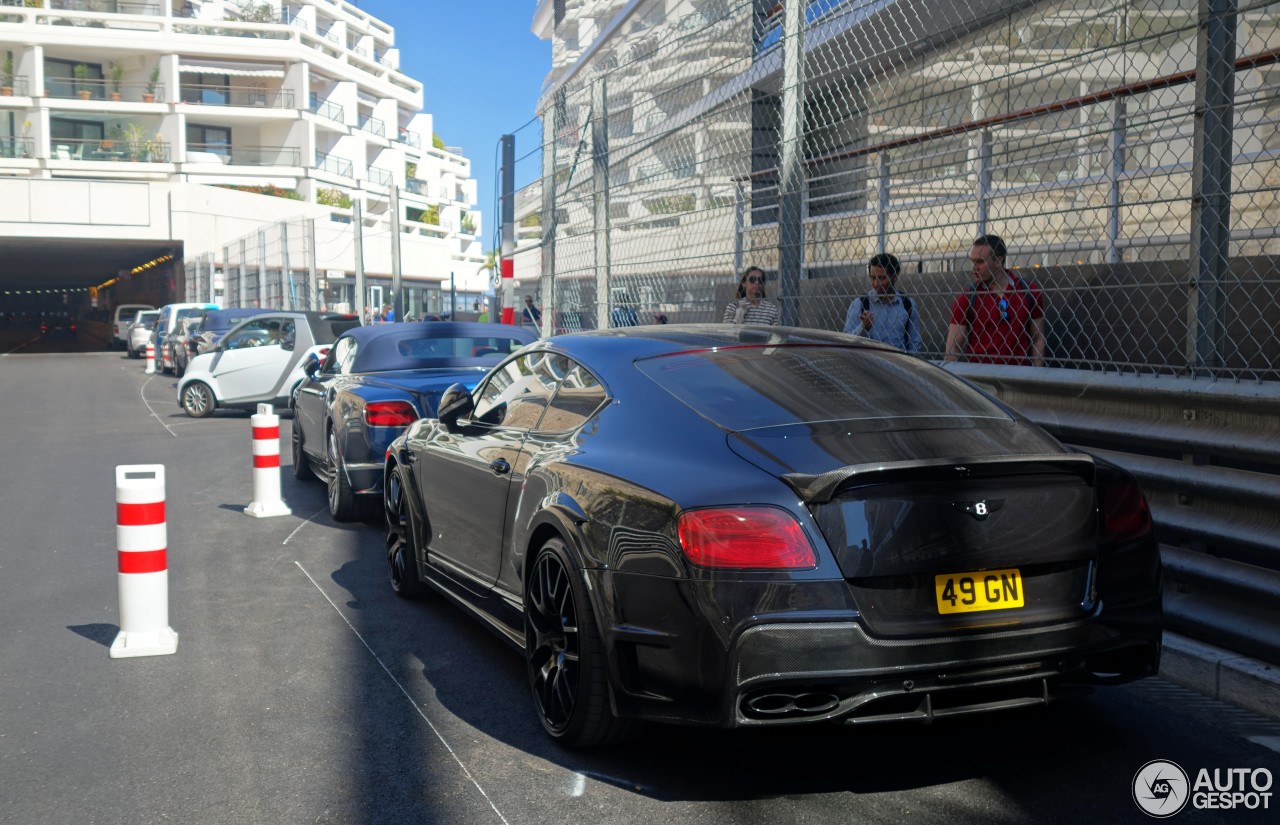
742, 388
494, 348
328, 329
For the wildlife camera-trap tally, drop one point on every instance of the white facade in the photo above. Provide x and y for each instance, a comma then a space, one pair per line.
176, 98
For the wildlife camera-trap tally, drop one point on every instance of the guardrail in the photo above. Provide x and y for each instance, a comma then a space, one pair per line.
1208, 456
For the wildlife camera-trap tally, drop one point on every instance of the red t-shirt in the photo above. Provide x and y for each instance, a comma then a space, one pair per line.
999, 322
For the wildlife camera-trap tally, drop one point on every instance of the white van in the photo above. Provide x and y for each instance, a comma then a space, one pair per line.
120, 321
170, 316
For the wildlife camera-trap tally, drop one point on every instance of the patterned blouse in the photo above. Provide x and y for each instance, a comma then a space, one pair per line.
766, 312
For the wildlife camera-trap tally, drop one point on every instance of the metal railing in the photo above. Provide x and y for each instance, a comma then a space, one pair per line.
110, 150
329, 111
373, 126
106, 6
16, 147
334, 165
103, 90
244, 155
208, 94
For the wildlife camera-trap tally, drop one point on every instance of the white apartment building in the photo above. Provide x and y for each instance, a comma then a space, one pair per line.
132, 129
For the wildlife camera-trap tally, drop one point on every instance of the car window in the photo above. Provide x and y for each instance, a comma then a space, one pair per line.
262, 332
515, 395
342, 356
746, 387
577, 398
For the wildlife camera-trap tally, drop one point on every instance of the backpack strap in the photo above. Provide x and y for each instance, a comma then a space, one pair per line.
906, 326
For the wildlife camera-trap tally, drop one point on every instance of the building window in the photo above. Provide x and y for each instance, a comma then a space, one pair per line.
215, 139
209, 89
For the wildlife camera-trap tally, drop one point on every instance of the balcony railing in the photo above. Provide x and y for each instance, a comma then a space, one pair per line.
333, 165
63, 88
16, 147
380, 177
104, 6
330, 111
248, 96
243, 155
112, 150
410, 138
373, 126
418, 187
16, 86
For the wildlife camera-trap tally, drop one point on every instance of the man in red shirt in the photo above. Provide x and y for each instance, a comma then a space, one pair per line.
1000, 319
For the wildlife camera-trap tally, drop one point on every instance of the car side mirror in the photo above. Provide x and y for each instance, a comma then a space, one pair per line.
312, 365
455, 403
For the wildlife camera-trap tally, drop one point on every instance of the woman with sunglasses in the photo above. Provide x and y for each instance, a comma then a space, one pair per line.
751, 307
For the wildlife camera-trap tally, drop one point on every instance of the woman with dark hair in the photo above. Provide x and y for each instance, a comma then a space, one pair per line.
751, 307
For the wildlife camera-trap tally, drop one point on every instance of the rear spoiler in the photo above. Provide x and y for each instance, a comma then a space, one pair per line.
820, 489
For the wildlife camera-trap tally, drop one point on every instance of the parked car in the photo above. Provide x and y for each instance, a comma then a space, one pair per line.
374, 382
735, 526
258, 361
167, 324
122, 318
139, 333
58, 328
179, 343
216, 322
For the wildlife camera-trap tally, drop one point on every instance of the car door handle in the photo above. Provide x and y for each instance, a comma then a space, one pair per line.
500, 467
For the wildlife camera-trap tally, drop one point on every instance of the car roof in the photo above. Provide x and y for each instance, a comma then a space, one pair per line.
665, 339
378, 345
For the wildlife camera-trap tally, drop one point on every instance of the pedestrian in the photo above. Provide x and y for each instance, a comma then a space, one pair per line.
999, 319
624, 314
750, 307
530, 314
388, 314
884, 314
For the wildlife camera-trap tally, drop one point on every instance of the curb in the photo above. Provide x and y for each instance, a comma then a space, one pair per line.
1222, 674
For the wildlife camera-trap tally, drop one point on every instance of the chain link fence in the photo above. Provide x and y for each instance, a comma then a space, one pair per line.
1126, 152
274, 267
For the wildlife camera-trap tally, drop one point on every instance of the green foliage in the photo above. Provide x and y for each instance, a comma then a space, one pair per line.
531, 220
436, 141
671, 204
273, 191
6, 69
333, 197
117, 73
431, 215
152, 79
468, 223
410, 169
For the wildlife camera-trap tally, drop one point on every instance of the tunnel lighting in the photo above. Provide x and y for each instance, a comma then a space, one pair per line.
151, 263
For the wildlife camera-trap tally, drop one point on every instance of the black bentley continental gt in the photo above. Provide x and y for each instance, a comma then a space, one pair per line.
745, 526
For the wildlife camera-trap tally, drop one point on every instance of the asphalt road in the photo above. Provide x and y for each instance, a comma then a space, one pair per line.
303, 691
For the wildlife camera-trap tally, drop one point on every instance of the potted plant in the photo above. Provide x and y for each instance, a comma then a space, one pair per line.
117, 72
149, 96
6, 76
135, 140
81, 71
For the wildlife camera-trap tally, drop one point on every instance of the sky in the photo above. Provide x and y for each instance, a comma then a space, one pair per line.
481, 70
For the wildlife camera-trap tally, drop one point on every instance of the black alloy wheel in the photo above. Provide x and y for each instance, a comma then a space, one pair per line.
565, 657
343, 505
402, 555
197, 400
301, 466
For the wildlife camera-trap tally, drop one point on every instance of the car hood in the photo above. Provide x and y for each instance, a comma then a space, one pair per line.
817, 458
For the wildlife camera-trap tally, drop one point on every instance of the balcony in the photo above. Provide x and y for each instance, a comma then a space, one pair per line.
222, 154
418, 187
373, 126
247, 96
380, 178
17, 86
16, 147
334, 166
410, 138
104, 6
111, 150
329, 111
96, 89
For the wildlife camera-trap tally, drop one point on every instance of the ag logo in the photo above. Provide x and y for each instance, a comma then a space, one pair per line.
1161, 788
978, 509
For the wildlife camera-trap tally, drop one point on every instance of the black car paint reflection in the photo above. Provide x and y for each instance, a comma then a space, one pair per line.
586, 502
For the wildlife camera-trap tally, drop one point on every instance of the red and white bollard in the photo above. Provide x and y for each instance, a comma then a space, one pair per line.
142, 542
151, 359
266, 465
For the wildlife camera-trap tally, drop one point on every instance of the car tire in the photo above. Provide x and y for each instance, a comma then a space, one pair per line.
178, 369
301, 466
133, 353
198, 400
343, 505
402, 546
564, 654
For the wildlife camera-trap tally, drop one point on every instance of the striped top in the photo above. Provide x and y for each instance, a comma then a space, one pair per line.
766, 312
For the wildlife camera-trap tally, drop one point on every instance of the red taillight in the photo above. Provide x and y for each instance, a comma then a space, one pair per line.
323, 352
1125, 513
389, 414
73, 327
744, 538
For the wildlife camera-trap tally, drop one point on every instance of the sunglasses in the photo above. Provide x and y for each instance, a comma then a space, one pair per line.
753, 280
1004, 309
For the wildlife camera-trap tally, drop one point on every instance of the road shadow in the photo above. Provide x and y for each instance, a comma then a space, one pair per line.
103, 634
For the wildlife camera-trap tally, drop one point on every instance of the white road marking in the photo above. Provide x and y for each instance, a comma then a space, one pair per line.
385, 669
324, 509
142, 392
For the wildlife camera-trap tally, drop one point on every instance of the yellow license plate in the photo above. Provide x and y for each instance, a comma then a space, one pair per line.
988, 590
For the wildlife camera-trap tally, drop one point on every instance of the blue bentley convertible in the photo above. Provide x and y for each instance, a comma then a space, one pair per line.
375, 382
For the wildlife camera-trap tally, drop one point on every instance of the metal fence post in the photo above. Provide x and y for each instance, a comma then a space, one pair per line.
600, 198
1211, 184
550, 127
397, 300
262, 265
290, 295
791, 165
244, 271
739, 226
313, 283
357, 220
882, 205
982, 168
1115, 174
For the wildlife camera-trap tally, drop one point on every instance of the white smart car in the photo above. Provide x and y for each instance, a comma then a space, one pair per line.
259, 361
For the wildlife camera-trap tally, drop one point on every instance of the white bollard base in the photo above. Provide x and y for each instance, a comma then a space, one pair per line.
144, 643
267, 509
